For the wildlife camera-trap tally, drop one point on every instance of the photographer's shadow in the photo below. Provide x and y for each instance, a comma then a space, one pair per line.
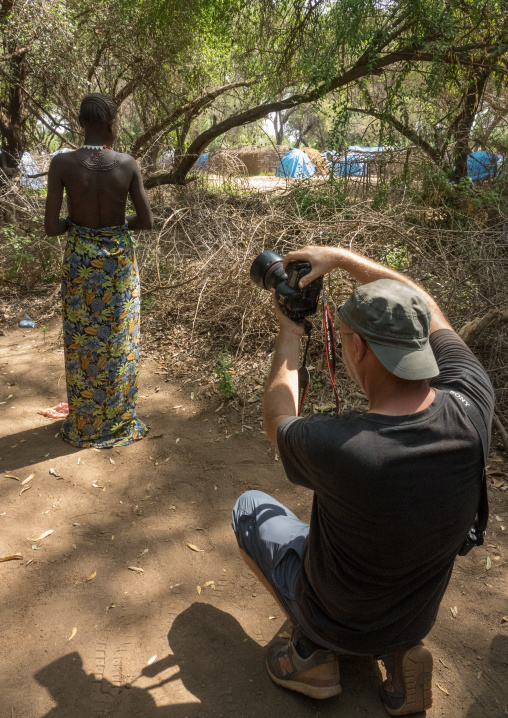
223, 668
222, 671
80, 695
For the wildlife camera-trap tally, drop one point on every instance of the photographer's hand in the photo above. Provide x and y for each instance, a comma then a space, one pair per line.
364, 270
322, 260
286, 324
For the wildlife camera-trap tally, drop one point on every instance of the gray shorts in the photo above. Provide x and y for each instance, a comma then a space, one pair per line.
274, 539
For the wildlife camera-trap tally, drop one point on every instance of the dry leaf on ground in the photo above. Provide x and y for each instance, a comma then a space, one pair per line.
73, 633
209, 583
497, 483
92, 575
42, 536
454, 611
195, 548
11, 476
442, 689
198, 589
488, 564
136, 569
28, 478
25, 488
14, 557
495, 472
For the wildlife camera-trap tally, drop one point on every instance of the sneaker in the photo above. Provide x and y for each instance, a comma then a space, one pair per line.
408, 687
316, 676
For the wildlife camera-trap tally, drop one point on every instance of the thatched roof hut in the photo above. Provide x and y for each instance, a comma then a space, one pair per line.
260, 160
317, 160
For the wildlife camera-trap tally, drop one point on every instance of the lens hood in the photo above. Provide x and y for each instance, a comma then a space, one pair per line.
266, 270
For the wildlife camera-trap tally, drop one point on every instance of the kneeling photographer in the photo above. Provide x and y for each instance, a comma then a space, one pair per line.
396, 488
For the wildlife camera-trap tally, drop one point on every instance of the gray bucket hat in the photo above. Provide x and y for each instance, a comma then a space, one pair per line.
394, 319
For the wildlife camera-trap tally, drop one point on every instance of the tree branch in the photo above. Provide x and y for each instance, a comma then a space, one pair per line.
404, 130
472, 331
126, 90
16, 55
53, 130
190, 108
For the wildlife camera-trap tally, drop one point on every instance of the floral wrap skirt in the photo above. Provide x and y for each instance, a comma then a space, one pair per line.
100, 300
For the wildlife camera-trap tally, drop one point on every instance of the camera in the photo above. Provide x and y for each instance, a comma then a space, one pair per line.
268, 273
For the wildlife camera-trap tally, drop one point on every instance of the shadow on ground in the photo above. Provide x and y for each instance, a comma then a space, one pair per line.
221, 669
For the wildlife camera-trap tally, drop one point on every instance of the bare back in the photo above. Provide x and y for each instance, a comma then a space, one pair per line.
97, 184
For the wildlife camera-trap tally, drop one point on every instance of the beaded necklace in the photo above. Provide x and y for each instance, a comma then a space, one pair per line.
95, 147
96, 160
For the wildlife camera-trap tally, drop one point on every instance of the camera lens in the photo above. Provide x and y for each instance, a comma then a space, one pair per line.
267, 270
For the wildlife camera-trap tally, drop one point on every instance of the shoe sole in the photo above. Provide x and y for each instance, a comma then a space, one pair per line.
318, 692
417, 671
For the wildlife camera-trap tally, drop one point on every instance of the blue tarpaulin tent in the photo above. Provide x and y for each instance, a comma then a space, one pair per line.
202, 162
296, 164
61, 152
28, 166
355, 161
481, 165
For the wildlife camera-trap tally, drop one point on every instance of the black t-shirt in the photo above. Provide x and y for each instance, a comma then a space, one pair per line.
394, 498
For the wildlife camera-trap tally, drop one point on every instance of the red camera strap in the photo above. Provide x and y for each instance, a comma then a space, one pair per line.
331, 357
330, 347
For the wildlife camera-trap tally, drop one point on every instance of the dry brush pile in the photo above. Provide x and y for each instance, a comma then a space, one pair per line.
199, 300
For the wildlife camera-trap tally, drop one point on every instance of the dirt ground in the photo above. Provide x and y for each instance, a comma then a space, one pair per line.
84, 636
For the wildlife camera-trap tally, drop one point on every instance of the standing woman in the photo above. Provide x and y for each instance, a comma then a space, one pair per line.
100, 281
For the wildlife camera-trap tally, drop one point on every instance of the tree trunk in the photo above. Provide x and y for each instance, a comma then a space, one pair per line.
279, 128
12, 122
461, 128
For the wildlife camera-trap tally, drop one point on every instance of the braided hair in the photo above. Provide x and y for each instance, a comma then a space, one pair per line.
97, 109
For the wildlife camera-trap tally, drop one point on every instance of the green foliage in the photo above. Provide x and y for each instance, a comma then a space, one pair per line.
421, 104
310, 201
15, 251
44, 329
147, 303
226, 384
397, 257
380, 198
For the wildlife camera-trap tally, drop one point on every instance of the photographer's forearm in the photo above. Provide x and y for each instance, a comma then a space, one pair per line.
325, 259
365, 270
280, 398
